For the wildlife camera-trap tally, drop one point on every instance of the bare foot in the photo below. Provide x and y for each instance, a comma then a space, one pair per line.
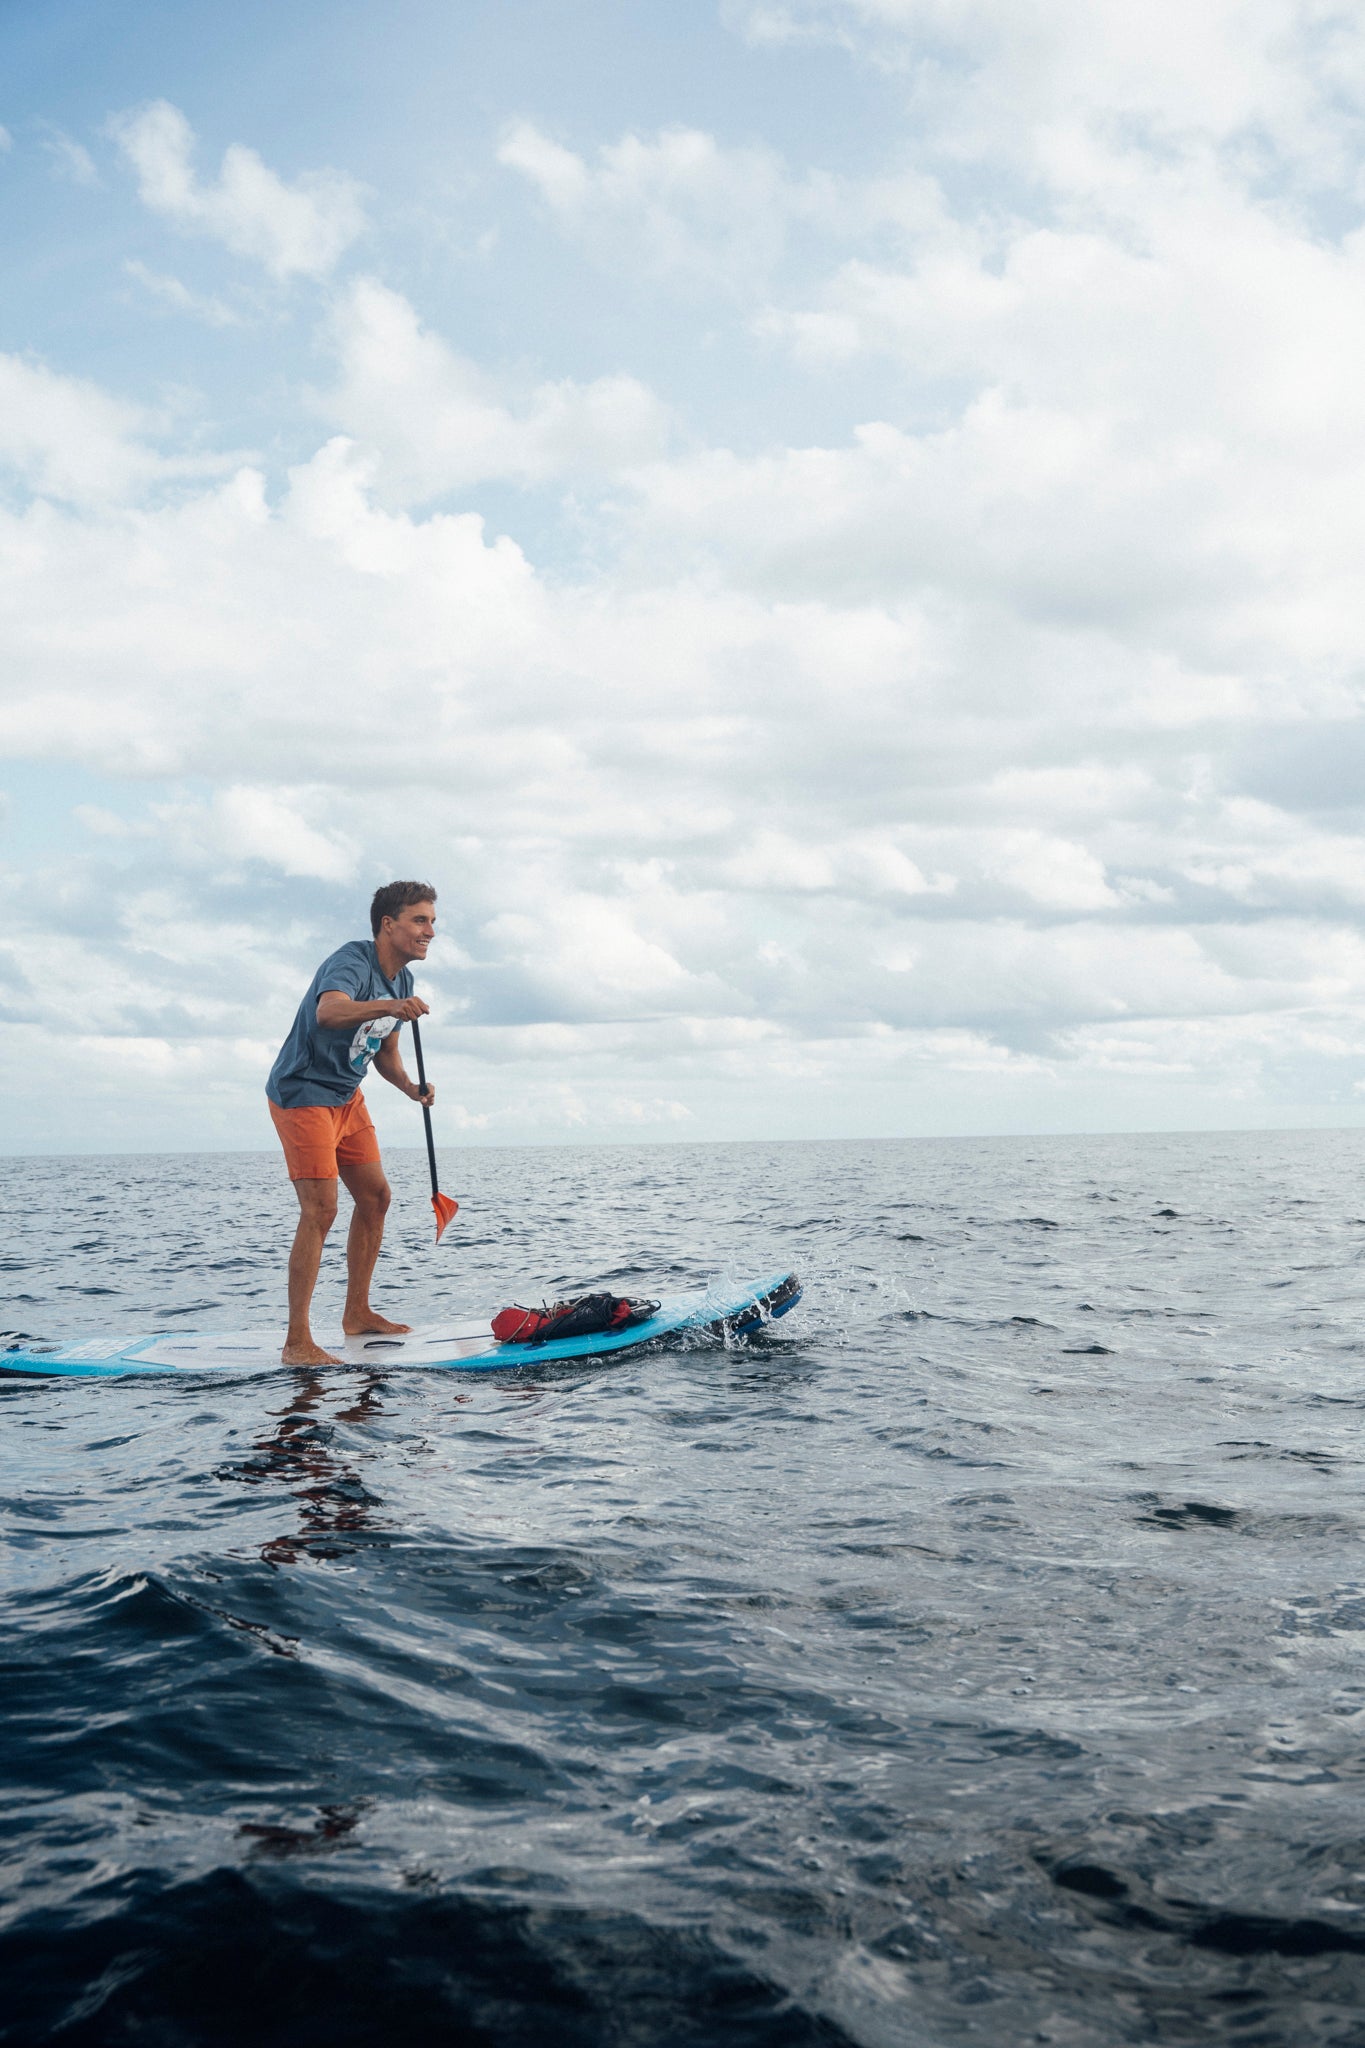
368, 1324
308, 1354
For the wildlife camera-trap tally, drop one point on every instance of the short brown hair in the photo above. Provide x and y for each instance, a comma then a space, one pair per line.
396, 896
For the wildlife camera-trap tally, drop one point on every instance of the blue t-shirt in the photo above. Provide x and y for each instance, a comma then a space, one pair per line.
317, 1067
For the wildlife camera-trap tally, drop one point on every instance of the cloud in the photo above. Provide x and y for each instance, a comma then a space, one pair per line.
298, 229
71, 159
682, 204
242, 824
1225, 69
966, 733
213, 311
65, 437
563, 179
657, 1110
432, 422
371, 690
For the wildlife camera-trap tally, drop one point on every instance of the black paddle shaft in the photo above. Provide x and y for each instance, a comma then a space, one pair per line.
426, 1113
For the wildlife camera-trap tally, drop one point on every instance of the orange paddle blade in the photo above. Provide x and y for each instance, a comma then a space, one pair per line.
445, 1208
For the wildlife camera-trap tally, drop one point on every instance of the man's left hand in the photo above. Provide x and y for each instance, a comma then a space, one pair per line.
426, 1096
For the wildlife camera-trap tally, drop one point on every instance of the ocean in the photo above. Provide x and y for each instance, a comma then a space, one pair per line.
977, 1658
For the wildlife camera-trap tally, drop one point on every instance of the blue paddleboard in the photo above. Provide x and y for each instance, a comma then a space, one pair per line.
465, 1347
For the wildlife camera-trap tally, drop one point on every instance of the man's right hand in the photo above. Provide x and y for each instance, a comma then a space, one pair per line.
409, 1008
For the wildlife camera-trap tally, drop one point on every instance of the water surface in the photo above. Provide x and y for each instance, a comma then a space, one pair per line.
977, 1659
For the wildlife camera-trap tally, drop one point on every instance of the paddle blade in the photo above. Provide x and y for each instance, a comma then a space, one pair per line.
445, 1209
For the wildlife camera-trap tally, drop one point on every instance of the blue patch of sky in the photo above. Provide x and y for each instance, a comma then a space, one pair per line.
402, 89
43, 799
411, 101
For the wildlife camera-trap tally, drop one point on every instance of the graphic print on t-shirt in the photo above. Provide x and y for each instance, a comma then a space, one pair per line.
368, 1040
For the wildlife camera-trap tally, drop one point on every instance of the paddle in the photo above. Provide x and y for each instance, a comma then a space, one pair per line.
443, 1205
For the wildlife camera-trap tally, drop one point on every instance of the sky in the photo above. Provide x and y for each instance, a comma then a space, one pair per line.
828, 530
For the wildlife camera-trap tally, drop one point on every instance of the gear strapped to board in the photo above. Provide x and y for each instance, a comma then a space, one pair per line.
585, 1316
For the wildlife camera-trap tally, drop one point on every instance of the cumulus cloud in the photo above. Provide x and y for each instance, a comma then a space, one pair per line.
682, 204
298, 229
1162, 447
414, 684
987, 752
678, 202
434, 423
992, 75
243, 825
67, 438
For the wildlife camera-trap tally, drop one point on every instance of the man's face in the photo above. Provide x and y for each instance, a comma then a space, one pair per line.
413, 930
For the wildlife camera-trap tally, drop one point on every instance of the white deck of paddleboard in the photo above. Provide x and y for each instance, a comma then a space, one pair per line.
457, 1345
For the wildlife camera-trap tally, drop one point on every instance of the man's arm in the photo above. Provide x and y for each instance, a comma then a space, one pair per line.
389, 1062
338, 1012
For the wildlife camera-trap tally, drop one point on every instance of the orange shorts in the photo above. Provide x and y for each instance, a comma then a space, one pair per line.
318, 1138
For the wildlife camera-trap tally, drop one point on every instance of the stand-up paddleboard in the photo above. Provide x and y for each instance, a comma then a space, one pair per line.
466, 1347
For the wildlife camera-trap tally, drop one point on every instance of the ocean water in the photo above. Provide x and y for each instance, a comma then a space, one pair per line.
979, 1658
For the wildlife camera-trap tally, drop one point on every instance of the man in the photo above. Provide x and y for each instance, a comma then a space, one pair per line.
357, 1002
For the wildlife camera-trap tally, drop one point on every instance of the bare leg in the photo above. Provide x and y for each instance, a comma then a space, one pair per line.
317, 1213
369, 1190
